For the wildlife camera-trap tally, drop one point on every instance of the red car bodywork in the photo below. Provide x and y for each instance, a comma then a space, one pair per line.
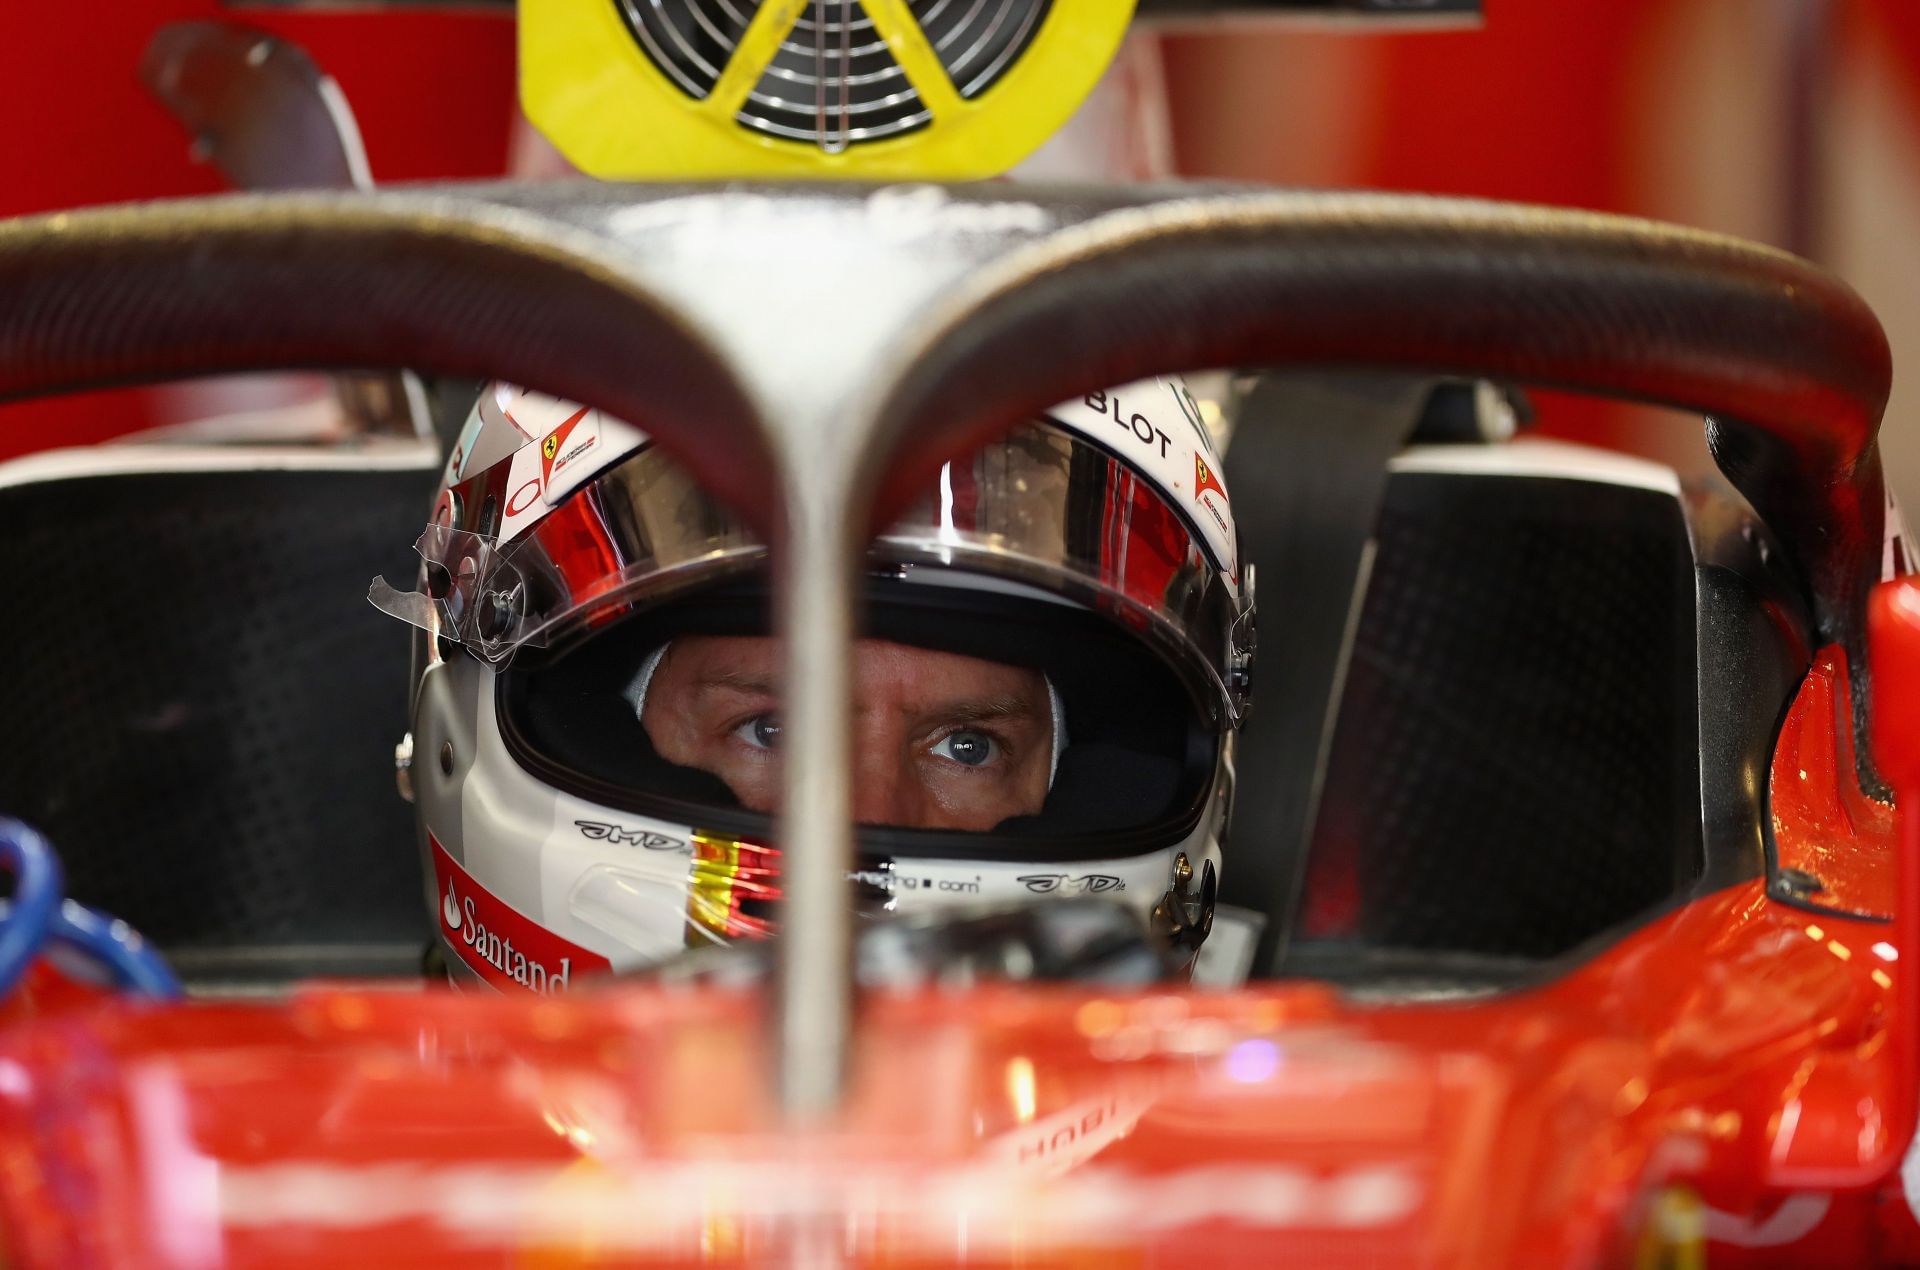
1725, 1076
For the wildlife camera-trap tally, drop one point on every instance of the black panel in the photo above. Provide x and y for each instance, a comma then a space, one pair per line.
1754, 650
1309, 486
1515, 768
202, 704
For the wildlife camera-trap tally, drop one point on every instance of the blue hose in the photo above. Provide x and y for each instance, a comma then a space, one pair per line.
133, 962
37, 884
37, 913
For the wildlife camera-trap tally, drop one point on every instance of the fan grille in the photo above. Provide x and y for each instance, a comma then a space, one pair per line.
834, 81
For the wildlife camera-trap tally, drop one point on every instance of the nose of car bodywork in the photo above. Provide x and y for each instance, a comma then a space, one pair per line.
1013, 1123
1005, 1126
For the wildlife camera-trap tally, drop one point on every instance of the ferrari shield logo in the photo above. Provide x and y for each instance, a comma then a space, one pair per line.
1204, 479
565, 446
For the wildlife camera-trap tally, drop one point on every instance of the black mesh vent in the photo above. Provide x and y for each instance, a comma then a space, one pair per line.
1514, 769
202, 705
834, 81
978, 41
689, 40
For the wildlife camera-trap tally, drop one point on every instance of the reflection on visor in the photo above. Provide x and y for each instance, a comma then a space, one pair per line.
1041, 507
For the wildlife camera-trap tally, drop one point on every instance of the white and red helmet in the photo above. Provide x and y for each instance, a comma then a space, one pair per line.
1094, 548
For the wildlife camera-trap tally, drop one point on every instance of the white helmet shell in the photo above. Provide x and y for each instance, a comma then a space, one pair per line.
541, 873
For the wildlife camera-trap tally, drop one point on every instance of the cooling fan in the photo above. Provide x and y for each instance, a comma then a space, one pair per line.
944, 89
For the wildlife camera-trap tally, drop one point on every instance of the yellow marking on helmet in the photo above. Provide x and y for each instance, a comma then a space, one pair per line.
716, 863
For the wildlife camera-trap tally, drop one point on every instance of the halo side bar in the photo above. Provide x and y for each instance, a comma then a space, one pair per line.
455, 284
817, 591
344, 281
1788, 360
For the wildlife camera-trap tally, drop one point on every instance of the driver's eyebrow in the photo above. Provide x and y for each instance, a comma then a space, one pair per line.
748, 682
980, 711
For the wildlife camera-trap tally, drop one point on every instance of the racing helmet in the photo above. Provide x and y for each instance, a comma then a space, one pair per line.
1055, 653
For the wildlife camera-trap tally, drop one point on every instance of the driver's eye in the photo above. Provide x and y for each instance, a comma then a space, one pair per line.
762, 731
973, 749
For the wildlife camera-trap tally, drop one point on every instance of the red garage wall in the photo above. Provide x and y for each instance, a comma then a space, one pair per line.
432, 89
1794, 121
1678, 109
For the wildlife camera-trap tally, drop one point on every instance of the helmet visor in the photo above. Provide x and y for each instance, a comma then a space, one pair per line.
1042, 508
980, 716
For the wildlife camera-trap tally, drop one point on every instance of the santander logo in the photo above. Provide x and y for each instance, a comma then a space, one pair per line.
497, 942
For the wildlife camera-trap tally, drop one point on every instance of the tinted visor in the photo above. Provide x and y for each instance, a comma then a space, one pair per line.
976, 710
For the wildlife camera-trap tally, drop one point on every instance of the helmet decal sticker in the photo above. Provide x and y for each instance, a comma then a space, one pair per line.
575, 450
1204, 479
620, 835
1210, 493
567, 445
533, 450
1156, 428
502, 946
1071, 884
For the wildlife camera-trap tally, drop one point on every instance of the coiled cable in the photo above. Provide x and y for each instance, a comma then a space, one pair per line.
37, 883
38, 912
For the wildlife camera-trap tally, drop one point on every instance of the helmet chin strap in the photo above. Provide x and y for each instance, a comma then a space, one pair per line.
636, 695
